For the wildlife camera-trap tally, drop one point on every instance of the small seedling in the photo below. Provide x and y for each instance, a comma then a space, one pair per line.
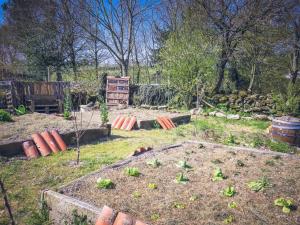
181, 179
240, 163
184, 165
286, 204
260, 184
132, 171
104, 183
232, 205
218, 175
154, 163
136, 194
216, 161
194, 198
229, 191
178, 205
231, 140
152, 186
229, 219
155, 216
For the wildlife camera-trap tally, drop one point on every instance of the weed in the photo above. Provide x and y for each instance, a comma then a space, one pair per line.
154, 163
184, 165
229, 191
218, 175
216, 161
286, 204
136, 194
41, 217
79, 219
257, 142
270, 162
155, 216
259, 185
21, 110
156, 125
278, 146
103, 113
232, 205
104, 183
152, 186
194, 198
132, 171
230, 140
240, 163
181, 179
229, 219
179, 132
5, 116
178, 205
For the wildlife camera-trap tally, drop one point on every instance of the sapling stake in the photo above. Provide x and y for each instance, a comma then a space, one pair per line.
6, 203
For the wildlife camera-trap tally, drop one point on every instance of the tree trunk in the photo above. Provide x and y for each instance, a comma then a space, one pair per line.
58, 74
96, 57
138, 64
74, 64
78, 148
124, 68
221, 69
253, 72
6, 203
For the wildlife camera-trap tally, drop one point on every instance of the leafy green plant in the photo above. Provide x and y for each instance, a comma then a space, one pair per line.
286, 204
181, 179
232, 205
105, 183
229, 219
67, 105
21, 110
67, 115
154, 163
279, 146
152, 186
132, 171
104, 113
155, 216
136, 194
230, 140
229, 191
184, 165
179, 205
218, 175
5, 116
259, 185
79, 219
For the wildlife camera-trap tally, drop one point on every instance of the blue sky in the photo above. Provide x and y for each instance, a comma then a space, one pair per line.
1, 12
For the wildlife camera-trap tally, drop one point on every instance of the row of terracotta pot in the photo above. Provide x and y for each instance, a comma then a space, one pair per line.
109, 217
165, 122
124, 123
44, 144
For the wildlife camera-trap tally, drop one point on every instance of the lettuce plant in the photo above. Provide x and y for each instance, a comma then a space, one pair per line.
154, 163
104, 183
229, 191
259, 185
132, 171
184, 165
181, 179
218, 175
286, 204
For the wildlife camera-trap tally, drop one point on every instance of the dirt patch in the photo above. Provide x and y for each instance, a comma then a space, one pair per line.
24, 126
200, 200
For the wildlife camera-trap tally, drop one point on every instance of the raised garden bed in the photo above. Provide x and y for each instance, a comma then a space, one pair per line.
200, 200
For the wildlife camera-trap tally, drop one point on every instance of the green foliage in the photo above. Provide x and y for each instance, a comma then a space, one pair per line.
232, 205
181, 179
259, 185
229, 219
79, 219
104, 183
154, 163
41, 217
188, 59
184, 165
230, 140
229, 191
21, 110
67, 105
155, 216
152, 186
218, 175
5, 116
278, 146
286, 204
104, 113
132, 171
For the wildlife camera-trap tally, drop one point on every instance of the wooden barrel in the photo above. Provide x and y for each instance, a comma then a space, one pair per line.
286, 129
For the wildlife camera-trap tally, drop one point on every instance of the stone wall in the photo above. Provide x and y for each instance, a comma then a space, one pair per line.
245, 102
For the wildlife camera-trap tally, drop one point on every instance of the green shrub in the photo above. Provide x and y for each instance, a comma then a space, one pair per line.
5, 116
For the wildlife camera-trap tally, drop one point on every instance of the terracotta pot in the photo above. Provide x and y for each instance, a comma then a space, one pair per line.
50, 141
167, 122
125, 124
106, 217
171, 122
60, 142
114, 123
41, 144
123, 219
120, 122
161, 123
131, 123
30, 150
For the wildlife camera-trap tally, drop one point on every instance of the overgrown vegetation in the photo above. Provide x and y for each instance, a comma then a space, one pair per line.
5, 116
